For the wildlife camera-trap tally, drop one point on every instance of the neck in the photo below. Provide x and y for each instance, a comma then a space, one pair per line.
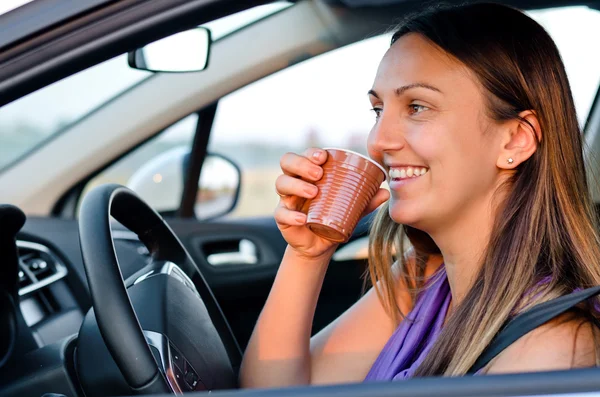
463, 245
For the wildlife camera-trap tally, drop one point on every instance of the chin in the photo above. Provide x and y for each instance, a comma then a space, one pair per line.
405, 214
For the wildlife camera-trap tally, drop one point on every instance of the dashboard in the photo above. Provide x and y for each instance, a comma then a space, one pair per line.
47, 306
53, 300
52, 282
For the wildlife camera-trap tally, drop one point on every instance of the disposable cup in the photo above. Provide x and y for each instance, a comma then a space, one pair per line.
349, 183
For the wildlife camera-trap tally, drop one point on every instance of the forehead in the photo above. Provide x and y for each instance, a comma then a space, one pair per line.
413, 58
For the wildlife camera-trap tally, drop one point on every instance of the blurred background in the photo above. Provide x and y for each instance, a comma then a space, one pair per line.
320, 102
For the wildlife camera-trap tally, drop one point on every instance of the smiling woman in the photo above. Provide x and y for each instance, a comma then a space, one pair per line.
476, 126
499, 122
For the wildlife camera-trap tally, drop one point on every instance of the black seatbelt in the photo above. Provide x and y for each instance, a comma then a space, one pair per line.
528, 321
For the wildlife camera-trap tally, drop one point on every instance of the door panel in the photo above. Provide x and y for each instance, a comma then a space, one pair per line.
242, 289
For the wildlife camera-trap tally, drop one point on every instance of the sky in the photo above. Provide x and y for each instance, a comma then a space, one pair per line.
326, 94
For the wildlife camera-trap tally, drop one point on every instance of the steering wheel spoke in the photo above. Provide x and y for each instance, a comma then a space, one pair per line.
178, 371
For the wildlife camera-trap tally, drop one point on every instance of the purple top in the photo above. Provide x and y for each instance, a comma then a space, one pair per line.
415, 335
409, 344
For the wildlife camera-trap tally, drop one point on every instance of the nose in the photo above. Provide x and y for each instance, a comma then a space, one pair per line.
386, 135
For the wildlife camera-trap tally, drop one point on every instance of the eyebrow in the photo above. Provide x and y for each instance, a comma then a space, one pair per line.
401, 90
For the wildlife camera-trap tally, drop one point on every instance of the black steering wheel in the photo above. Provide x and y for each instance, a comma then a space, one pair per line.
162, 327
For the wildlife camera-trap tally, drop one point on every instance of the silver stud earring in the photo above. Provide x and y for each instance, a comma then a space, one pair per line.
510, 160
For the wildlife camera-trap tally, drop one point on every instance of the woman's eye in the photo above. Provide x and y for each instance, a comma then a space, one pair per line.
377, 112
413, 108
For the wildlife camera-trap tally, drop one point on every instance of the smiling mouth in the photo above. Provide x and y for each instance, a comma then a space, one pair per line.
402, 173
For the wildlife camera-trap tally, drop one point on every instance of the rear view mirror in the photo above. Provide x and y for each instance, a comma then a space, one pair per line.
186, 51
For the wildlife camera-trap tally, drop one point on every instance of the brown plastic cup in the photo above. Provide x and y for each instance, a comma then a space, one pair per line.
349, 183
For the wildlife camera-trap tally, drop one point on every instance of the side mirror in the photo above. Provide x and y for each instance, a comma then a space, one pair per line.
160, 183
186, 51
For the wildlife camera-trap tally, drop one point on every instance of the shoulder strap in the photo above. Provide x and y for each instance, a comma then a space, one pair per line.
528, 321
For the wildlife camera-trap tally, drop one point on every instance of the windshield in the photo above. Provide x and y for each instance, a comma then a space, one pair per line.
9, 5
29, 121
34, 119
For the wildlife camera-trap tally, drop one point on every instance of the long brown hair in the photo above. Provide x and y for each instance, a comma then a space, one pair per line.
545, 228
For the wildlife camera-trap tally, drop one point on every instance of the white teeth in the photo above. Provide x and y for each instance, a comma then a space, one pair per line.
407, 172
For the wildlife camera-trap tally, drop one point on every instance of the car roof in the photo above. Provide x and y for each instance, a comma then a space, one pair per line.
38, 15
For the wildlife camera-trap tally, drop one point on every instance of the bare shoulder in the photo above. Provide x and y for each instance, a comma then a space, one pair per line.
562, 343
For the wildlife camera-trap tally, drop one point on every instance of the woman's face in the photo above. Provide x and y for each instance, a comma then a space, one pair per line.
433, 135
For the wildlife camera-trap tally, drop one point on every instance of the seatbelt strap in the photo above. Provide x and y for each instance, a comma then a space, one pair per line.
528, 321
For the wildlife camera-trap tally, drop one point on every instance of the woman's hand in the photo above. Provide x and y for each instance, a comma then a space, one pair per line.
295, 187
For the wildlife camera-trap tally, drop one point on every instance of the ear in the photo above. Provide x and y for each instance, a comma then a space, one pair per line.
521, 140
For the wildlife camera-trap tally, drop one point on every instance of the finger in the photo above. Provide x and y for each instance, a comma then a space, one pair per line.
316, 155
290, 186
298, 165
290, 202
285, 217
381, 197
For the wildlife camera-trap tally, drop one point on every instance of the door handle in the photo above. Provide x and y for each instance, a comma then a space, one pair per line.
246, 255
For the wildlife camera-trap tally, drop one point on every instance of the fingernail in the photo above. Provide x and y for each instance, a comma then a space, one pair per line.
317, 155
300, 218
316, 173
312, 190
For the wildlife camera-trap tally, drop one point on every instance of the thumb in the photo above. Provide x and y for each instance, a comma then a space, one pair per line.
381, 197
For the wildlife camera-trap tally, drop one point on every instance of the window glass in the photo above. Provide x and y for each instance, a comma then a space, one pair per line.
323, 102
320, 102
575, 31
37, 117
155, 170
9, 5
29, 121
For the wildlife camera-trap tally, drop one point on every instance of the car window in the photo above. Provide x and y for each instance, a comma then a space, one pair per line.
9, 5
323, 102
155, 170
34, 119
575, 30
320, 102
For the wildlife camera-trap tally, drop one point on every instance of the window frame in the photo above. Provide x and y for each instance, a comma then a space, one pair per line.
66, 206
199, 150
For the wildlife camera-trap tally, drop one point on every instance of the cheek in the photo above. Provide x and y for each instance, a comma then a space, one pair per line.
458, 154
430, 142
427, 146
466, 169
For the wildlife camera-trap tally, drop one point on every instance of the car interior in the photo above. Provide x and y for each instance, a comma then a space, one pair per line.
134, 258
